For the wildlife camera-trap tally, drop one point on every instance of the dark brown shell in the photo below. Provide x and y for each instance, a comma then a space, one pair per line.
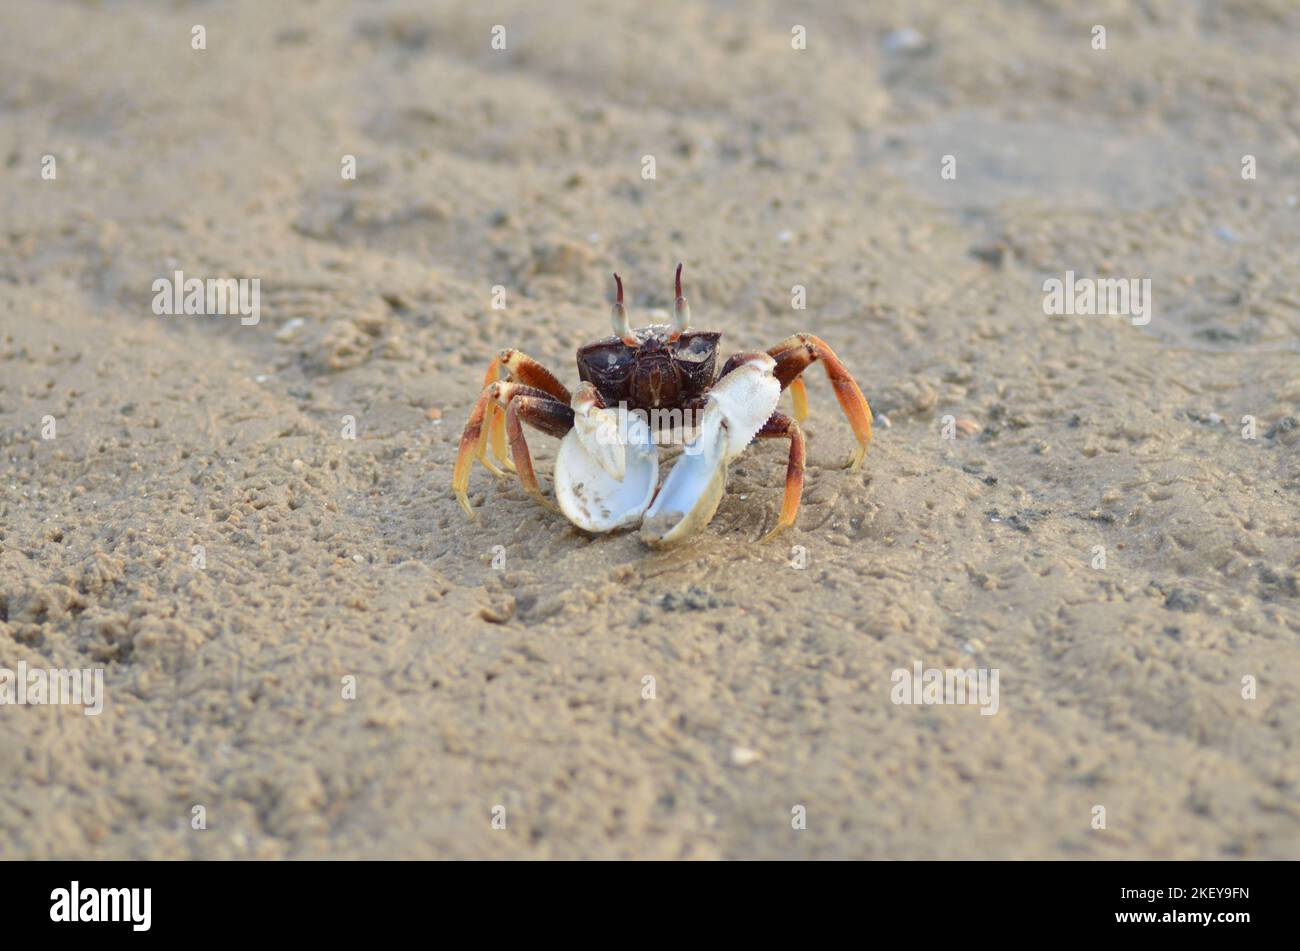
656, 374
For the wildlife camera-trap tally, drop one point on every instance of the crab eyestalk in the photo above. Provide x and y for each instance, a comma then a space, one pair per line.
681, 309
618, 318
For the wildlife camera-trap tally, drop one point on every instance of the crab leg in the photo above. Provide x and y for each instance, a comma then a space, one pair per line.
521, 368
794, 355
780, 426
472, 441
551, 416
486, 425
540, 410
524, 369
799, 397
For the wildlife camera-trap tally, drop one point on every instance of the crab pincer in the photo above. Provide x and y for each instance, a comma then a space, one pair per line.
737, 408
607, 467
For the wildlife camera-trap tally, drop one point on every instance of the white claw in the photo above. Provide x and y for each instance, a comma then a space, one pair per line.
738, 407
605, 472
597, 431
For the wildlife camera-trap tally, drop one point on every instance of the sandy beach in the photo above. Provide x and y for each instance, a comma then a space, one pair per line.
245, 520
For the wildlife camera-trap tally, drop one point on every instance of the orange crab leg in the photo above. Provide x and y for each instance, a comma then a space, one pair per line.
524, 404
471, 446
799, 396
539, 408
498, 438
781, 426
524, 369
495, 422
795, 354
487, 423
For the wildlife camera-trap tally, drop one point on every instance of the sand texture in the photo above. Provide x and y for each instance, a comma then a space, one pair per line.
499, 664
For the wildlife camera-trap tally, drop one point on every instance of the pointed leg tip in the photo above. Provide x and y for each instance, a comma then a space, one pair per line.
544, 502
780, 529
463, 499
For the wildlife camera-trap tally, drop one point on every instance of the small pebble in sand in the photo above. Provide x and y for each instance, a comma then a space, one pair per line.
744, 756
968, 427
298, 463
906, 40
289, 330
1215, 419
784, 237
359, 559
992, 254
883, 420
433, 413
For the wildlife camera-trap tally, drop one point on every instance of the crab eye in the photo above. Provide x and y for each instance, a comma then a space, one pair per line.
695, 349
609, 362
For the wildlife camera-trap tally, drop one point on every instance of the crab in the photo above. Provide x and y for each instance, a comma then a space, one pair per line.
638, 387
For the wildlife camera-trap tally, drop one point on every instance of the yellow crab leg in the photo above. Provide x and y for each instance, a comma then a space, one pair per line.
799, 396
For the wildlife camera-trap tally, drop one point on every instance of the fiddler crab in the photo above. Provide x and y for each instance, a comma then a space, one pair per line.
637, 387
